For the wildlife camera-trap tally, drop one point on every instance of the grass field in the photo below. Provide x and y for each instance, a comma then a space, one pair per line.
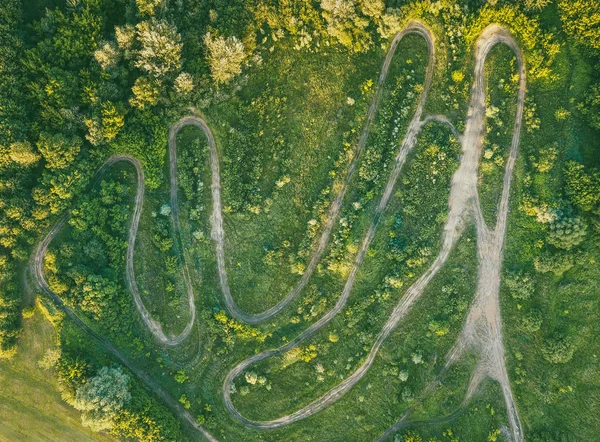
31, 407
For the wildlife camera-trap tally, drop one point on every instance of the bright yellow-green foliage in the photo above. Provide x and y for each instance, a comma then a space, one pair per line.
241, 330
113, 119
539, 47
581, 19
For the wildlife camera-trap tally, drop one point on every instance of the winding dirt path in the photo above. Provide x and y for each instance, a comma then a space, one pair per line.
153, 326
217, 232
407, 144
37, 269
463, 201
483, 326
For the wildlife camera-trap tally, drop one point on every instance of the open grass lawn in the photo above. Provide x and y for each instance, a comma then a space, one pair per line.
31, 408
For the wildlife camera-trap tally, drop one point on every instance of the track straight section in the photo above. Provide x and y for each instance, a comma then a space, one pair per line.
483, 327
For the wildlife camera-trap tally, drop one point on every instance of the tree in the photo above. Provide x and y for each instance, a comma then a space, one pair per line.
346, 24
566, 231
520, 285
107, 56
95, 134
372, 8
22, 153
148, 7
581, 20
536, 5
113, 119
582, 188
125, 36
102, 397
225, 57
590, 106
58, 150
145, 93
184, 83
160, 51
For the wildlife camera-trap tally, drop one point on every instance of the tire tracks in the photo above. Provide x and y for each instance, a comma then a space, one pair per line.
483, 326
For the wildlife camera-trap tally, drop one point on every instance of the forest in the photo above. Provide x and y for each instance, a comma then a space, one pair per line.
307, 139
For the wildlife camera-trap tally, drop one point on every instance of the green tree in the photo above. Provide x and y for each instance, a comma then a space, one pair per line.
566, 231
520, 285
113, 119
557, 263
148, 7
160, 52
23, 154
145, 93
582, 188
107, 56
58, 150
590, 106
224, 56
581, 20
536, 5
102, 397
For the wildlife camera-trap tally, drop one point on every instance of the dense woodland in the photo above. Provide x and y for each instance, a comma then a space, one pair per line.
286, 85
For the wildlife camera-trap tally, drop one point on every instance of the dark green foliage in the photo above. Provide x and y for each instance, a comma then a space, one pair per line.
521, 286
555, 262
532, 322
84, 264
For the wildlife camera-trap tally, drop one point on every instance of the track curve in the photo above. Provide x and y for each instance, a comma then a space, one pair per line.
217, 232
407, 144
463, 201
37, 270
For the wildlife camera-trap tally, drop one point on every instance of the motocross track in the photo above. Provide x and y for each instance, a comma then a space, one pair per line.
482, 329
483, 326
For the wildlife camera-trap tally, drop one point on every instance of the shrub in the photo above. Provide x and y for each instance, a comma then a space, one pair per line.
532, 322
557, 263
566, 231
558, 349
521, 286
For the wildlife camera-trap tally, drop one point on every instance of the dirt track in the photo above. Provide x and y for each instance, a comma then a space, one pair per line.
463, 200
217, 232
483, 328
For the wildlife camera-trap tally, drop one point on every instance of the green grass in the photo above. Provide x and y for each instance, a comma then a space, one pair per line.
30, 404
501, 99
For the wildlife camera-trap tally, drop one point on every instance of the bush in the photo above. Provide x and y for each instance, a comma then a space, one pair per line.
566, 231
521, 286
532, 322
557, 263
558, 349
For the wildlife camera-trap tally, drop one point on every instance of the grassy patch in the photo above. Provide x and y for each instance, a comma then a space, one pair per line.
30, 404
